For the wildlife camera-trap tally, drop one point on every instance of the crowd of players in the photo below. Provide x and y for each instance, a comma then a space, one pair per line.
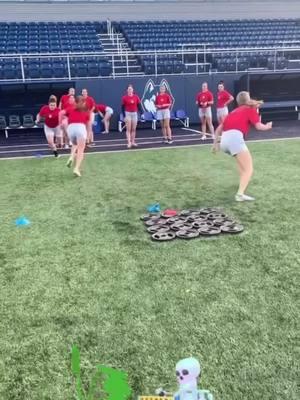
55, 115
70, 123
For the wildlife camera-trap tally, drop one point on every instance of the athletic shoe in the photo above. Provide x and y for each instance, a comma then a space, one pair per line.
243, 197
92, 144
104, 132
166, 141
69, 162
76, 173
134, 145
170, 141
66, 146
203, 137
56, 155
129, 146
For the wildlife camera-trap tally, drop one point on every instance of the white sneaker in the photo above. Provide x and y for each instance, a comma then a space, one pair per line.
76, 172
66, 146
243, 197
203, 137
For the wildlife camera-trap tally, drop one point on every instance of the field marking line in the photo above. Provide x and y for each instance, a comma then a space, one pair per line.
153, 148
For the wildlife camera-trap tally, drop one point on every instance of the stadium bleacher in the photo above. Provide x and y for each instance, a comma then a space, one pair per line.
75, 49
214, 34
40, 38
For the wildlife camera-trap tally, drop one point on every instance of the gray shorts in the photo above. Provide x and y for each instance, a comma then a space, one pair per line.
76, 132
205, 112
232, 142
163, 114
51, 133
131, 116
222, 112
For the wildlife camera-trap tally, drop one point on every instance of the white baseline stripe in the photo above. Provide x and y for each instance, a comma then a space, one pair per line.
153, 148
103, 145
101, 141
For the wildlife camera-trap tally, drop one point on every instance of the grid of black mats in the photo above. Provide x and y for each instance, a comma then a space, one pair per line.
190, 224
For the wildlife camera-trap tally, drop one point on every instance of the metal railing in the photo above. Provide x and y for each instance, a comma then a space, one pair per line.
200, 60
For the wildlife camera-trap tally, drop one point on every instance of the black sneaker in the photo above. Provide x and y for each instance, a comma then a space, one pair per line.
55, 154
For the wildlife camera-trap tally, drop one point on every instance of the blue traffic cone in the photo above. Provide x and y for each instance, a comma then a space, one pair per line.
22, 221
153, 208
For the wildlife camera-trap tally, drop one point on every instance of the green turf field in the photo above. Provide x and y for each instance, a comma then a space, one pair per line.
86, 273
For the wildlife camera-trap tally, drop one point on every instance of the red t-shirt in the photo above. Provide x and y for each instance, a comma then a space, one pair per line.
131, 102
77, 117
223, 96
90, 103
64, 101
69, 108
51, 116
204, 97
101, 108
241, 119
161, 99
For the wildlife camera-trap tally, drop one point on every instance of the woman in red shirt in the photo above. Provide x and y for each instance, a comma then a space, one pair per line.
163, 104
224, 98
204, 101
235, 127
105, 113
90, 104
78, 118
51, 125
131, 104
64, 102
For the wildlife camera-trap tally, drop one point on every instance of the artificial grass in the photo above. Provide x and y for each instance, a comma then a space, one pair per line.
85, 273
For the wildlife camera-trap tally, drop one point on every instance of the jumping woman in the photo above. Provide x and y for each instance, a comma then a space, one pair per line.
78, 119
233, 130
51, 125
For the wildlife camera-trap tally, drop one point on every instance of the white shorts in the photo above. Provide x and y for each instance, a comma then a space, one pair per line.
131, 116
205, 112
76, 132
109, 111
51, 133
163, 114
222, 112
232, 142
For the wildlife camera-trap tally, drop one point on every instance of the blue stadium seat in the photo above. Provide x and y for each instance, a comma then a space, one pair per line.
46, 70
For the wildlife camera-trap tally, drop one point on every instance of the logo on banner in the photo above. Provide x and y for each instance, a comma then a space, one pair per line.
151, 91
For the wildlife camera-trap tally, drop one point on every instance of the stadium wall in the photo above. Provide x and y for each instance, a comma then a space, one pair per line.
182, 88
22, 98
141, 10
